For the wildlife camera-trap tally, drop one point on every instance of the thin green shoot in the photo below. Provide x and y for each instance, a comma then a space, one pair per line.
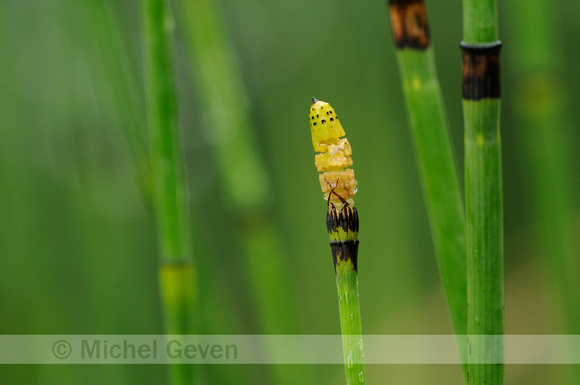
176, 272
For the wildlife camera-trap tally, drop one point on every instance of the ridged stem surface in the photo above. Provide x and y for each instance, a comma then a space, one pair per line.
433, 150
439, 175
350, 323
483, 192
484, 210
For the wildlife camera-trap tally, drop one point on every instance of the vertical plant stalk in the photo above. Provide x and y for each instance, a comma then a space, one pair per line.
224, 100
483, 192
548, 146
433, 150
176, 272
339, 186
246, 185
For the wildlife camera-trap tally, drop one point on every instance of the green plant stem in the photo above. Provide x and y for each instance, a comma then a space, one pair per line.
483, 192
241, 170
246, 184
439, 176
342, 224
170, 196
480, 21
548, 146
344, 246
435, 156
350, 324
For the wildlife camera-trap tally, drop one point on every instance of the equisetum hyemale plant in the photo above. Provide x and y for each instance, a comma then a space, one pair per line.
176, 270
483, 192
435, 157
339, 186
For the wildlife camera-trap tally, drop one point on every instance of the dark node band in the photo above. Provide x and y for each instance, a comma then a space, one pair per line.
409, 24
481, 70
343, 252
346, 218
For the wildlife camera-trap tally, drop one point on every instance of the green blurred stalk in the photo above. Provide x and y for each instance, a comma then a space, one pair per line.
243, 176
483, 192
547, 143
433, 149
176, 273
242, 173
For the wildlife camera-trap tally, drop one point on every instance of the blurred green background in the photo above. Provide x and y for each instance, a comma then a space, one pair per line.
77, 237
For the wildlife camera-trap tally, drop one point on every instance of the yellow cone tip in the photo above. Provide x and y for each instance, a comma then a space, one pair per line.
337, 180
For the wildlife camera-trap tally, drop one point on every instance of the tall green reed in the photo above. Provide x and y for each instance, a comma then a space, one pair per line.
176, 271
483, 192
433, 149
246, 186
547, 144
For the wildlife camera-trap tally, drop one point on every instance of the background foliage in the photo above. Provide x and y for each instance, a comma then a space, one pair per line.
77, 240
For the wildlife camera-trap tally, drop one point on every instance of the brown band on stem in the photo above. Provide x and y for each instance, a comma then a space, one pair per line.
345, 218
481, 70
409, 24
344, 251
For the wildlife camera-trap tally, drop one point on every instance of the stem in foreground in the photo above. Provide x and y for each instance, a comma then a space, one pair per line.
176, 273
483, 192
339, 186
344, 247
433, 149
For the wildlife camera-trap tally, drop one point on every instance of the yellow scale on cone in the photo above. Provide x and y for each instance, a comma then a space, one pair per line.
337, 180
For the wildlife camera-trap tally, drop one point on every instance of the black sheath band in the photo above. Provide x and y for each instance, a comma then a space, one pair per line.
481, 70
409, 24
343, 251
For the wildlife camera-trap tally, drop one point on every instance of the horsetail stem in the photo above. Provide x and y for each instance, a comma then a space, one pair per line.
339, 186
433, 149
170, 197
483, 192
549, 148
245, 182
246, 186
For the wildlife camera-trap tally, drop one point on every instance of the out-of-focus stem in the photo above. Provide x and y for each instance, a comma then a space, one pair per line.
548, 145
176, 274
